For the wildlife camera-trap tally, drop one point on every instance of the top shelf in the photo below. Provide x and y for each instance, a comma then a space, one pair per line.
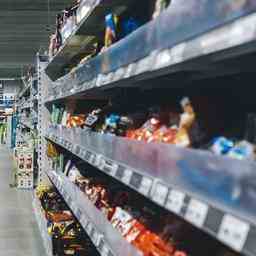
179, 40
79, 38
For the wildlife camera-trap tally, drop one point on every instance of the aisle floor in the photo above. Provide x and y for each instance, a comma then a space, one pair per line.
19, 235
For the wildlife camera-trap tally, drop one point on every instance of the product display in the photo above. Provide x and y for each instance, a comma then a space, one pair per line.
136, 128
155, 125
68, 238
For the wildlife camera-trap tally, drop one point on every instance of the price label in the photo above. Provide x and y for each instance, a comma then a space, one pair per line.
69, 200
127, 176
143, 65
95, 237
119, 73
145, 185
109, 78
105, 250
78, 214
160, 193
110, 253
92, 159
136, 180
64, 194
89, 228
77, 150
98, 161
101, 244
175, 201
91, 120
233, 232
120, 172
99, 81
87, 156
196, 212
128, 71
84, 221
110, 167
177, 53
163, 59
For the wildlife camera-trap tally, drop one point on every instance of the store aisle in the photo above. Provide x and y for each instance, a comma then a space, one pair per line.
19, 235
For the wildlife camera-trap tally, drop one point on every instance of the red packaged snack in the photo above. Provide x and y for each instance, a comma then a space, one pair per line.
152, 245
170, 136
158, 134
152, 125
135, 229
59, 216
120, 219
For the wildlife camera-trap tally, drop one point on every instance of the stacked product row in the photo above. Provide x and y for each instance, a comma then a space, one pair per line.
183, 124
138, 221
117, 25
66, 235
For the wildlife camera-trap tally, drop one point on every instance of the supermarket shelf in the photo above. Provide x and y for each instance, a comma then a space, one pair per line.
200, 46
216, 194
92, 15
42, 224
106, 239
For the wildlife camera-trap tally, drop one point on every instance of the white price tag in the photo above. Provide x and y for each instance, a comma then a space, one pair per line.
163, 59
84, 221
144, 65
175, 201
196, 212
177, 53
233, 232
109, 78
105, 250
145, 186
119, 73
160, 193
73, 206
99, 80
127, 176
109, 167
128, 71
96, 238
89, 228
98, 160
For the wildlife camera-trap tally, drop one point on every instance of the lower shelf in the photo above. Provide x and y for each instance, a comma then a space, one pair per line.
193, 184
42, 224
107, 240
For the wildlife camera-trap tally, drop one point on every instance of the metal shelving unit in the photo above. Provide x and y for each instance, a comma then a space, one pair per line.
107, 240
90, 15
199, 50
196, 185
208, 191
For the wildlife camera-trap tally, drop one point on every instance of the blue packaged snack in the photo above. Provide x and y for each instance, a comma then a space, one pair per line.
242, 150
110, 33
221, 146
112, 121
129, 25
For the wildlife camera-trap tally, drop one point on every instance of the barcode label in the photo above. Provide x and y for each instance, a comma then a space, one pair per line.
196, 212
233, 232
